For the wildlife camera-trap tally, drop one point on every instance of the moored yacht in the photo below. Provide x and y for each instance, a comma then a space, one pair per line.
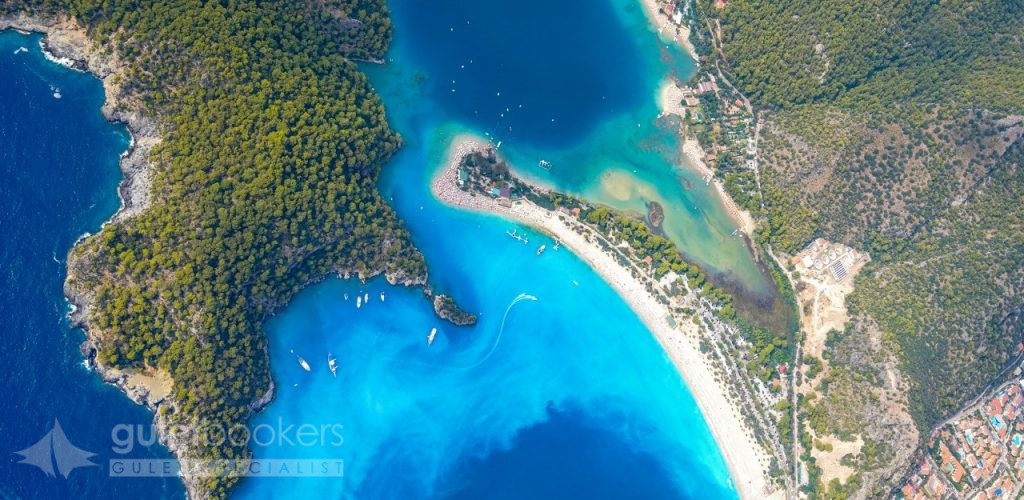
332, 364
302, 362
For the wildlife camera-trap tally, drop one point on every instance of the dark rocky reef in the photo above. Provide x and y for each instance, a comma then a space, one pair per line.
655, 214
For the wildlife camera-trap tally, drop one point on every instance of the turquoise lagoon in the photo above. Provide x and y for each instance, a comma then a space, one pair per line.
559, 391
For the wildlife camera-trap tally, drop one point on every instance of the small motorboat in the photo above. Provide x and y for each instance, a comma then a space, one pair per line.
302, 362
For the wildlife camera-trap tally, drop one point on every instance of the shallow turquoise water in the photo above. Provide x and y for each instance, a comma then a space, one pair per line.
566, 395
575, 87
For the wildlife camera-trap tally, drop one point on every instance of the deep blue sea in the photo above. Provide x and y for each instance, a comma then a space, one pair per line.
58, 179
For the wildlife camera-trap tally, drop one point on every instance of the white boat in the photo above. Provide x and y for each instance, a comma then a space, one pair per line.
302, 362
382, 296
366, 298
346, 296
359, 302
430, 338
541, 249
546, 165
332, 364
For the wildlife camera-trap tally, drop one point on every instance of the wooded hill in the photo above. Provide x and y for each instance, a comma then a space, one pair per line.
265, 182
894, 127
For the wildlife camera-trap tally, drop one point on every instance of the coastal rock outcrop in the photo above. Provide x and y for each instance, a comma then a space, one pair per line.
67, 43
447, 309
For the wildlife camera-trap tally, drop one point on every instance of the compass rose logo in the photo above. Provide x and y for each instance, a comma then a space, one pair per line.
55, 449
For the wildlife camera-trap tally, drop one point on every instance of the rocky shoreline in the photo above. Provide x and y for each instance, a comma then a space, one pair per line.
446, 309
66, 42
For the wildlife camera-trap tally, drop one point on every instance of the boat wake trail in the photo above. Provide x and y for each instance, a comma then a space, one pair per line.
501, 329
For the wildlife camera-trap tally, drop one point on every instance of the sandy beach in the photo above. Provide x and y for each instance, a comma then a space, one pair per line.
668, 30
670, 99
670, 96
747, 461
742, 218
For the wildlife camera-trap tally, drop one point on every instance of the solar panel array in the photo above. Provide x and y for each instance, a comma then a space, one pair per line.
838, 270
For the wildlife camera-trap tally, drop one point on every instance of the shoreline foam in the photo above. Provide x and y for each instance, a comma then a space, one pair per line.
746, 460
65, 42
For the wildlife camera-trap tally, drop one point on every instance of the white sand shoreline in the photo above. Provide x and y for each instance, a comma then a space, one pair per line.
745, 458
669, 97
668, 30
693, 152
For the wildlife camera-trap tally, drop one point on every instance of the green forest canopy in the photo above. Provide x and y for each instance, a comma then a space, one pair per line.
265, 181
891, 127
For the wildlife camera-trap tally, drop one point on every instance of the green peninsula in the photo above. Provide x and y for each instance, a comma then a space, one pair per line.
264, 182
